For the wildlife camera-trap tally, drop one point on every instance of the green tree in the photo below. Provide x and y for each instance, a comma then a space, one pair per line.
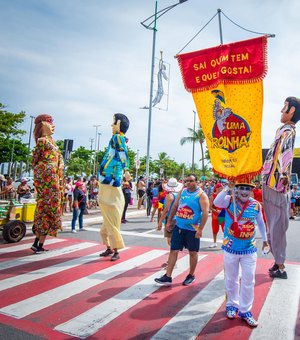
196, 136
11, 146
81, 161
76, 166
60, 144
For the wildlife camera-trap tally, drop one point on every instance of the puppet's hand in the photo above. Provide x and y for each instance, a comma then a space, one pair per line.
284, 180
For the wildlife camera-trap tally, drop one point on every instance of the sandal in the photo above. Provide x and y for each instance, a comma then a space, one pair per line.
231, 312
248, 317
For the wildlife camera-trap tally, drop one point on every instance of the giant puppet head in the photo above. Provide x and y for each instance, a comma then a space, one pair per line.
43, 126
120, 123
291, 110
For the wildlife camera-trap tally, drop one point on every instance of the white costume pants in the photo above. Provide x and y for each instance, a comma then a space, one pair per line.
240, 290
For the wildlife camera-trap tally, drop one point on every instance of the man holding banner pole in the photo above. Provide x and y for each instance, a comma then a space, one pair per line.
226, 82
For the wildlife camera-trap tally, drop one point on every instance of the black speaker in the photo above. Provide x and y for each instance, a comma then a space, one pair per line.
68, 145
68, 148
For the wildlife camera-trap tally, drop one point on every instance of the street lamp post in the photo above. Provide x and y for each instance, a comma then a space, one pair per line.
137, 165
29, 142
193, 157
95, 159
153, 19
99, 135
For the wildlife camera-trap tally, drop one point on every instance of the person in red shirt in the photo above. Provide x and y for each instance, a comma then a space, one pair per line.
217, 215
257, 194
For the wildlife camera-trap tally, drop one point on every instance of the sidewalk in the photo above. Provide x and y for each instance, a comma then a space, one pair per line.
95, 215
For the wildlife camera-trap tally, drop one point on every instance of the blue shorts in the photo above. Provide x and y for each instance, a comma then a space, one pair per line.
183, 238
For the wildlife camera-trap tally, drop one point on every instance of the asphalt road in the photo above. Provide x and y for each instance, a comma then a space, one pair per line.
139, 231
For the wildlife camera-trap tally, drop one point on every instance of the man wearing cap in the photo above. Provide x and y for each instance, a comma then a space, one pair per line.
191, 208
23, 188
276, 184
8, 191
243, 213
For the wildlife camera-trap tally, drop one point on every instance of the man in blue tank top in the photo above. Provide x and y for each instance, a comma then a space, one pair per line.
191, 208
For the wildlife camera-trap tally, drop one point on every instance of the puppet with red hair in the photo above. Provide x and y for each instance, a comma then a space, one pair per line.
48, 169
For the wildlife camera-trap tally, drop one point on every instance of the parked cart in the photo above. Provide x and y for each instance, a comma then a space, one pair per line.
13, 216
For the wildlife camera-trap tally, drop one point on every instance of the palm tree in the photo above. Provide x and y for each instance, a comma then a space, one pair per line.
196, 136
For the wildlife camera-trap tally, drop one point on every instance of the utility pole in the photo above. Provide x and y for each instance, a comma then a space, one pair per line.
137, 165
29, 142
193, 156
92, 142
95, 159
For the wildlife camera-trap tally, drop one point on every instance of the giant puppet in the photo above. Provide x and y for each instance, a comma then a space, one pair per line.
276, 184
111, 198
48, 170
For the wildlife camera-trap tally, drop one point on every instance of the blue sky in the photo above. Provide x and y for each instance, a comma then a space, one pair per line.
83, 60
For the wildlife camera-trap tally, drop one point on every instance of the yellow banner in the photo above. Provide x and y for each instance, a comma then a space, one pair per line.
226, 84
231, 116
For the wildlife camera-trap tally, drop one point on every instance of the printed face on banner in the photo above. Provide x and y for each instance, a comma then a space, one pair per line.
230, 131
227, 88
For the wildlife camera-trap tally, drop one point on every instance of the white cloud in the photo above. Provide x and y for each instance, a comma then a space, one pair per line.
82, 61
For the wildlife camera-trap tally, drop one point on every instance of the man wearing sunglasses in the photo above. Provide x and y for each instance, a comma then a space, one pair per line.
191, 208
242, 216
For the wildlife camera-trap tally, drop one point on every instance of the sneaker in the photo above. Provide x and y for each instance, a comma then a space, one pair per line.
34, 248
41, 250
248, 317
115, 257
82, 229
188, 280
231, 312
106, 253
164, 280
74, 231
273, 268
214, 245
292, 218
278, 274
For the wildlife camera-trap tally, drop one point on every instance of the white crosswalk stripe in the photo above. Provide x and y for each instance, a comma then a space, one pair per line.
48, 298
46, 255
88, 323
185, 314
281, 307
23, 246
195, 315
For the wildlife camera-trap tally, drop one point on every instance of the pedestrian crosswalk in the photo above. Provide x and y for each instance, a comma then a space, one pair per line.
70, 292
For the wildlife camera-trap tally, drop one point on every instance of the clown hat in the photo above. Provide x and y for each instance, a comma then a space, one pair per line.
244, 183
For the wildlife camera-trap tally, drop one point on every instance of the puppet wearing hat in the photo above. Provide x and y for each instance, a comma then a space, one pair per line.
111, 198
243, 216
